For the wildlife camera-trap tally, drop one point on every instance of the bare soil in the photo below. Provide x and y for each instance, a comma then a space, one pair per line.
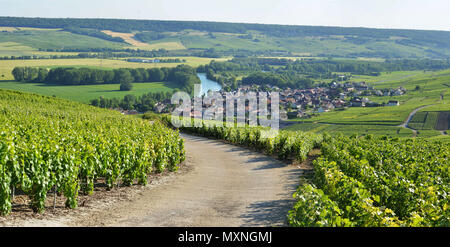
218, 185
128, 37
443, 121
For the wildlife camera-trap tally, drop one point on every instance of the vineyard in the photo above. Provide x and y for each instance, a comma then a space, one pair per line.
286, 144
47, 144
376, 182
358, 181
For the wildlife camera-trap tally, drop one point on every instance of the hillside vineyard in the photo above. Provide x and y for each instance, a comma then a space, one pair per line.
51, 144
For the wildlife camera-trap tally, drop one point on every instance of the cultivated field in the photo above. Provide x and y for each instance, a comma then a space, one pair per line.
129, 38
55, 39
17, 49
6, 66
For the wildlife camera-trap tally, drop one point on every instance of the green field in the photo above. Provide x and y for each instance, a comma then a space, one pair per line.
50, 39
18, 49
85, 93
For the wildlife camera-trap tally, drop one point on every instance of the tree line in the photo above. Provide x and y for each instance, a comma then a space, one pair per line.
143, 103
301, 73
29, 57
324, 66
183, 76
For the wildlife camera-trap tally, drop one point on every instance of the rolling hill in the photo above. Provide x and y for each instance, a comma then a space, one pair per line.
232, 38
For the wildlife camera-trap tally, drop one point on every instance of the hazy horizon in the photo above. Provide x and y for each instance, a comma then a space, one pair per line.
382, 14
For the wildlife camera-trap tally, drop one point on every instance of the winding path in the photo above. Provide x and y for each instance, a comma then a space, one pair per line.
225, 185
405, 124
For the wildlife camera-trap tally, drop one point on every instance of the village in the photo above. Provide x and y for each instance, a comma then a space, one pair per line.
304, 103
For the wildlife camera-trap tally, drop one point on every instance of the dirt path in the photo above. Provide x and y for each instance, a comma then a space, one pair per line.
226, 186
408, 119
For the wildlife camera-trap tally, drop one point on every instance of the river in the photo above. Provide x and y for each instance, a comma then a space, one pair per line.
208, 84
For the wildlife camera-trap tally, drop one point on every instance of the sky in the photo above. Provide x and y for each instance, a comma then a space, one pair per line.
399, 14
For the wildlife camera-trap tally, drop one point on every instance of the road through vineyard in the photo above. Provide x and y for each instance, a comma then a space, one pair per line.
226, 186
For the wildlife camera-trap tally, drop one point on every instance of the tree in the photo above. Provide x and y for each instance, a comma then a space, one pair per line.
18, 73
42, 75
128, 102
155, 74
95, 102
137, 75
108, 76
123, 76
126, 86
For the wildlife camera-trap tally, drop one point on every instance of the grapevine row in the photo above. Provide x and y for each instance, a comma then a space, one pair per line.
358, 181
48, 144
283, 144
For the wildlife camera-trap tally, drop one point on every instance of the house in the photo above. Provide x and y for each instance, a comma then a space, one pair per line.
283, 115
295, 106
398, 92
373, 104
361, 86
393, 103
320, 110
338, 103
159, 107
328, 106
357, 102
333, 85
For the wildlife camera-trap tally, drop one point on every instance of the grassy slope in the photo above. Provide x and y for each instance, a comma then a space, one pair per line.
18, 49
51, 39
313, 46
